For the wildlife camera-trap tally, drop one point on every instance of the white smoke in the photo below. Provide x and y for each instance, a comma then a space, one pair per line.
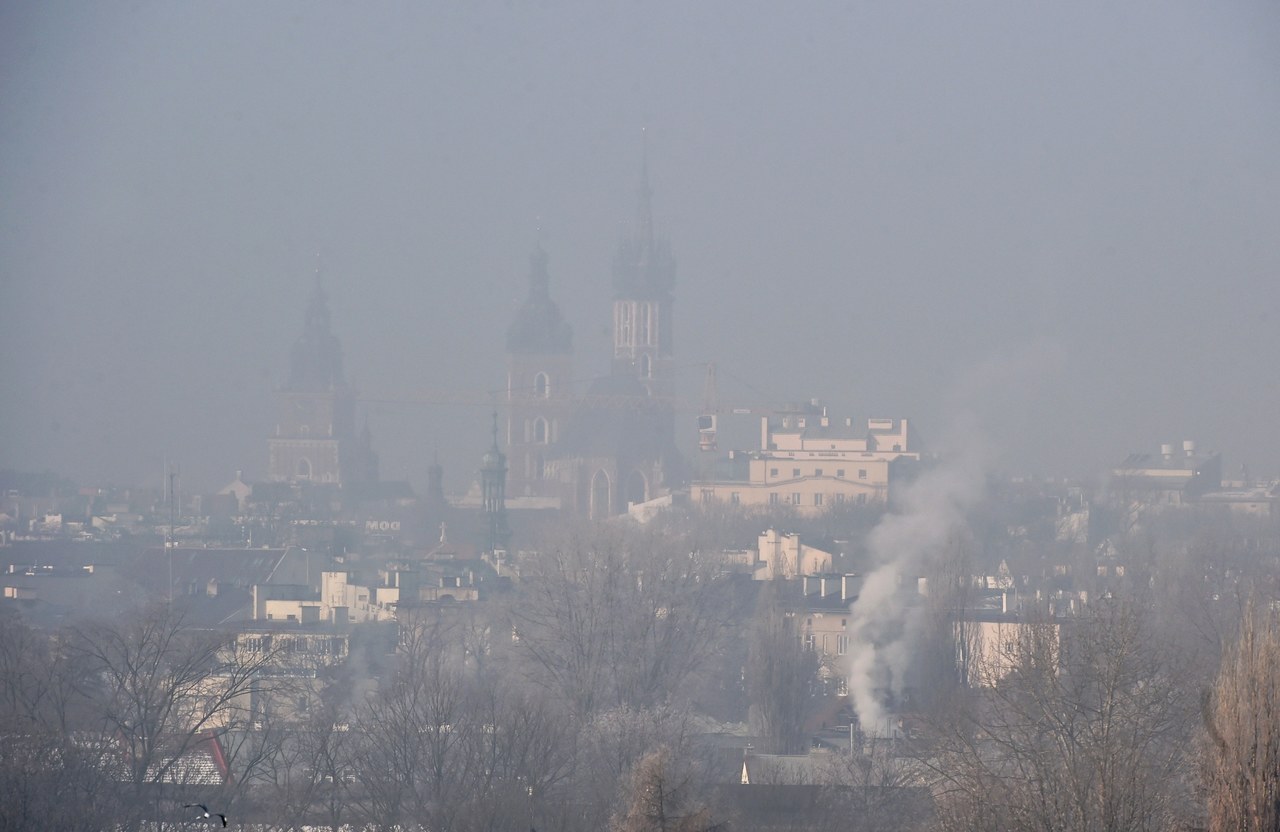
885, 622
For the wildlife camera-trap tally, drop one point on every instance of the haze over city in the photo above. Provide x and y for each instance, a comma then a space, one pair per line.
875, 204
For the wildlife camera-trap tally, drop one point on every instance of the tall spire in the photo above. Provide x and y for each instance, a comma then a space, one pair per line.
316, 361
646, 193
643, 266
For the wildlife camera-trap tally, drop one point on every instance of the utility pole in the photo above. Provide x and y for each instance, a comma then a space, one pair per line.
170, 542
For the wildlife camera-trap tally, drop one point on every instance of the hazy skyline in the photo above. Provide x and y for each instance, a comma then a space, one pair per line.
871, 204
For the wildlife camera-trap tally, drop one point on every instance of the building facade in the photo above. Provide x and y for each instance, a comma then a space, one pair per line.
810, 464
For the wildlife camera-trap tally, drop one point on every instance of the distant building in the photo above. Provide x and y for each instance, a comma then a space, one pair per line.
1171, 478
315, 438
810, 464
596, 454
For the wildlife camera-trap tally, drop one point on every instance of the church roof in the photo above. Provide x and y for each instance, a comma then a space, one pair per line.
539, 328
636, 427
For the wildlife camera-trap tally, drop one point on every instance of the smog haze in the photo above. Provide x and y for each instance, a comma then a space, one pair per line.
868, 203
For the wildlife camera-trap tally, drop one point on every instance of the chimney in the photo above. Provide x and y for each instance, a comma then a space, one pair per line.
1189, 447
1166, 451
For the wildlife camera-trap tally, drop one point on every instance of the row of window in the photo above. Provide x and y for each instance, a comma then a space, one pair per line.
794, 499
840, 642
817, 472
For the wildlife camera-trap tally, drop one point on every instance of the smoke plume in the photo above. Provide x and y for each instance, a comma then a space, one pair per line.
885, 619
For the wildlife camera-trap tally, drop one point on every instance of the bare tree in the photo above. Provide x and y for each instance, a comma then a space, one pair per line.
1083, 730
609, 616
305, 782
410, 761
160, 689
781, 676
1242, 721
51, 777
662, 799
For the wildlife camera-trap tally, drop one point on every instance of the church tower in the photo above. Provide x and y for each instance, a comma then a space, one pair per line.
315, 438
539, 370
644, 274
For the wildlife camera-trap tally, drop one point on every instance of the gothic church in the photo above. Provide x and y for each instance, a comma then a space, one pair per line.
598, 452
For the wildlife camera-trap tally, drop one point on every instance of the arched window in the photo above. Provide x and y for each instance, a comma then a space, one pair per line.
542, 386
601, 496
540, 434
304, 469
637, 488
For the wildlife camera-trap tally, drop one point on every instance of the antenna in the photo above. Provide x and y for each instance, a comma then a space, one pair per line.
169, 543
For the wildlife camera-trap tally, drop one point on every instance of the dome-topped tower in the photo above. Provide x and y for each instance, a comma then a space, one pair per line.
539, 370
539, 328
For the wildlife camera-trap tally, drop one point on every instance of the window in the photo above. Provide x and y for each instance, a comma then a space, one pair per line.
795, 472
839, 472
773, 472
708, 494
842, 645
773, 499
541, 386
839, 498
795, 498
540, 431
817, 499
862, 473
735, 497
817, 472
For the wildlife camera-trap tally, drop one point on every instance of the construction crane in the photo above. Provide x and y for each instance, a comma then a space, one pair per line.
708, 415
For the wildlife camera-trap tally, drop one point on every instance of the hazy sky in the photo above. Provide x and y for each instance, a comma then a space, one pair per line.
873, 203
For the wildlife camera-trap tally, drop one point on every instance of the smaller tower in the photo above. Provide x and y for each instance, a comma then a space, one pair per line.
315, 438
539, 373
493, 486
